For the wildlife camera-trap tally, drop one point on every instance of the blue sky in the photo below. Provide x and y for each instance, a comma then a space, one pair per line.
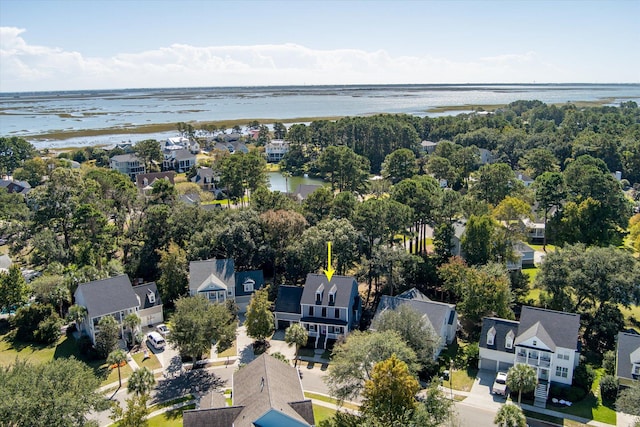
94, 44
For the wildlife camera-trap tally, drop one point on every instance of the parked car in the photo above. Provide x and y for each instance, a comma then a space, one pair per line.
500, 384
156, 340
163, 329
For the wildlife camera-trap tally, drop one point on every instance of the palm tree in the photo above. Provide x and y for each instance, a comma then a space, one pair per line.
141, 381
132, 321
77, 314
117, 357
298, 335
522, 378
510, 416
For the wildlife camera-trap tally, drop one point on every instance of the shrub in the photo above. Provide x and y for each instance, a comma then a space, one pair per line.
583, 377
609, 362
609, 388
471, 355
48, 330
27, 320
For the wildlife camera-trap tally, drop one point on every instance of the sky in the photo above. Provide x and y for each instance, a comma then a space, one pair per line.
115, 44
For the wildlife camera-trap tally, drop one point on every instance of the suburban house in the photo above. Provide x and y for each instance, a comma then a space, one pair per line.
217, 280
486, 157
428, 147
275, 150
114, 296
205, 178
524, 178
303, 191
523, 257
265, 393
13, 186
546, 340
180, 142
180, 160
232, 146
628, 358
535, 230
459, 227
441, 317
149, 304
144, 181
128, 164
287, 307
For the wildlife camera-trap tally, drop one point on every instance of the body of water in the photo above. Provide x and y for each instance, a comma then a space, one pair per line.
290, 184
32, 114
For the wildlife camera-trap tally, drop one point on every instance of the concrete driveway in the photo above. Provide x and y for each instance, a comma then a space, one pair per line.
480, 394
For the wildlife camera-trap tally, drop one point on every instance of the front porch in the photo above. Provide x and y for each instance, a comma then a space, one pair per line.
320, 333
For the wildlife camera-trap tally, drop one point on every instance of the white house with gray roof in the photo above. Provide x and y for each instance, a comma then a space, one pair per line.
113, 296
441, 317
218, 281
628, 358
546, 340
128, 164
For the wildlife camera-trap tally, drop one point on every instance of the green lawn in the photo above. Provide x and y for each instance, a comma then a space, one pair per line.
591, 407
461, 380
231, 351
328, 399
539, 247
152, 363
321, 413
631, 316
532, 273
169, 418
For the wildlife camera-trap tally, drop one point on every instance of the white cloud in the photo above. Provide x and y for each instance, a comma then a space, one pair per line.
31, 67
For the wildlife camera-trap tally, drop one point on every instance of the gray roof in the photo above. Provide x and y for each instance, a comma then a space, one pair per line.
5, 261
502, 328
344, 288
143, 291
303, 190
242, 276
183, 154
414, 294
126, 158
561, 328
153, 176
438, 313
212, 274
108, 295
202, 172
628, 344
538, 331
265, 389
288, 300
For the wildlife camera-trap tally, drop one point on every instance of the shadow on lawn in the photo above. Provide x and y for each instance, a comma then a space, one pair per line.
172, 388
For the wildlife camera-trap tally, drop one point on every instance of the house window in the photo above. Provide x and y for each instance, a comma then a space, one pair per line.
310, 310
636, 369
337, 313
332, 299
564, 356
248, 285
330, 329
535, 342
338, 329
324, 311
491, 336
509, 341
562, 372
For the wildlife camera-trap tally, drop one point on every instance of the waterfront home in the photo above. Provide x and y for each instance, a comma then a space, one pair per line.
128, 164
275, 150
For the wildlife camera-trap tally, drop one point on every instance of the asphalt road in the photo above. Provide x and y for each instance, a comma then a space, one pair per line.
472, 416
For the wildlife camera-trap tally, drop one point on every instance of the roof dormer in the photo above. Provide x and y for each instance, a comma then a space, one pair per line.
509, 339
319, 293
151, 296
332, 294
491, 336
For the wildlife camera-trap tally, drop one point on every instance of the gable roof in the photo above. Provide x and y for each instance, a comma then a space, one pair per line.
627, 353
152, 177
559, 327
536, 331
502, 327
303, 190
288, 300
437, 313
212, 274
344, 287
143, 291
242, 276
107, 296
120, 158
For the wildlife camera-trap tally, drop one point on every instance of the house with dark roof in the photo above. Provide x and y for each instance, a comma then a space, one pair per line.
265, 393
144, 181
217, 280
546, 340
13, 186
113, 296
441, 317
628, 358
150, 304
329, 310
205, 178
303, 191
428, 146
287, 307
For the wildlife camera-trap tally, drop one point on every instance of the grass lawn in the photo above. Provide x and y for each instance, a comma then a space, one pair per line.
36, 353
549, 418
539, 247
231, 351
532, 272
631, 316
152, 363
591, 406
321, 413
169, 418
461, 380
328, 399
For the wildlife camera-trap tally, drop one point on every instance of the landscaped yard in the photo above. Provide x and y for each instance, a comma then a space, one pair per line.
321, 413
328, 399
591, 407
231, 351
169, 418
152, 363
461, 379
631, 316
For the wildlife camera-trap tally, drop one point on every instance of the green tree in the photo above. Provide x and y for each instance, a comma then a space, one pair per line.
537, 161
510, 416
390, 393
132, 322
117, 357
33, 171
317, 206
149, 152
13, 152
107, 335
259, 319
399, 165
353, 360
141, 382
495, 182
134, 416
629, 400
279, 130
58, 393
14, 290
296, 335
550, 191
522, 378
603, 327
173, 282
281, 228
344, 205
479, 241
346, 170
77, 314
162, 191
416, 331
197, 324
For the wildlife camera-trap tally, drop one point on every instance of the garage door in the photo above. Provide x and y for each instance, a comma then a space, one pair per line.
283, 324
488, 364
504, 366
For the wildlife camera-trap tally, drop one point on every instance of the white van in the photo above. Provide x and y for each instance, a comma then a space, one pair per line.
156, 340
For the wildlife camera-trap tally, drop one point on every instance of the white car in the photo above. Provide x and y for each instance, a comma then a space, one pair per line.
500, 384
163, 329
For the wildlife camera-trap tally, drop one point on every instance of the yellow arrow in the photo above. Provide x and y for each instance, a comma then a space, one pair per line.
329, 271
